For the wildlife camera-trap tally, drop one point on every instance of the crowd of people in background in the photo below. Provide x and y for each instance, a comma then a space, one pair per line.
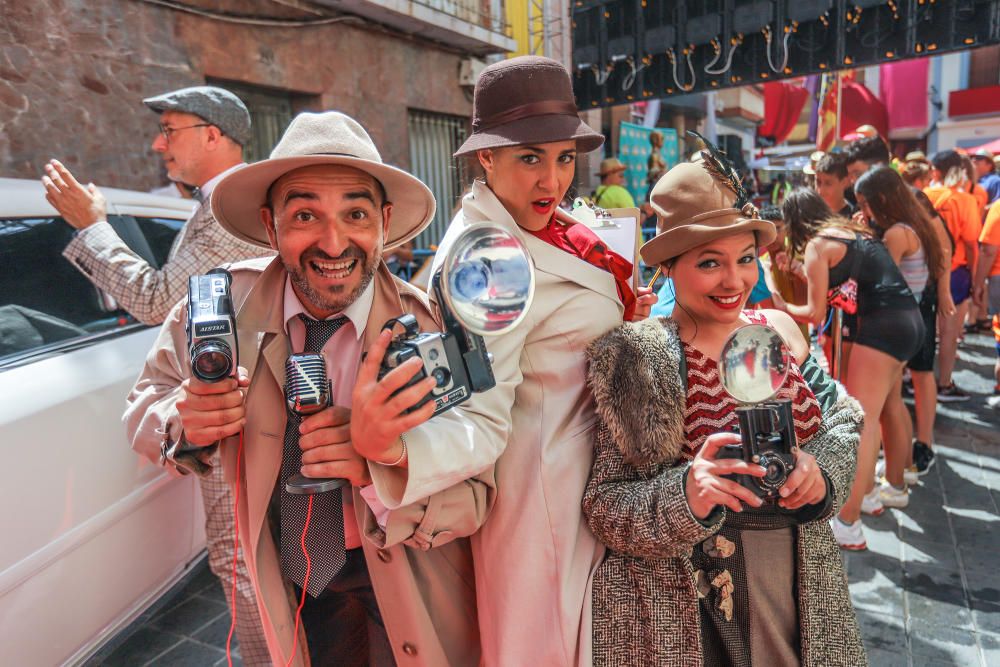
909, 249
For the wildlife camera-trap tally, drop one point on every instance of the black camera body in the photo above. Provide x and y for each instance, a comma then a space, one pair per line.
211, 326
768, 434
455, 358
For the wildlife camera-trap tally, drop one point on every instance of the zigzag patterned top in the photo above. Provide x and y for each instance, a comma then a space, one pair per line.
710, 409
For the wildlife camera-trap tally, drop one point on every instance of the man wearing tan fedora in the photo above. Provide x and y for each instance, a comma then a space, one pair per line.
330, 207
611, 193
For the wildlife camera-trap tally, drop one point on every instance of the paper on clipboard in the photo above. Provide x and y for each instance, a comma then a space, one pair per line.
621, 232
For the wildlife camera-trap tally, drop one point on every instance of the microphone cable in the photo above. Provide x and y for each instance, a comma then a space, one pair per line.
236, 547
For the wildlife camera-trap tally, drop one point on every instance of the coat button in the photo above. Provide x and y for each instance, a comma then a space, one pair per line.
384, 555
409, 649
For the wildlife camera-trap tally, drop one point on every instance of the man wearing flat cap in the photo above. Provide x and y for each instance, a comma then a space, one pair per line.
379, 582
202, 132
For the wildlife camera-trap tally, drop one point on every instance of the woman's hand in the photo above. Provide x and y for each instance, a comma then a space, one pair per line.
645, 298
707, 482
805, 486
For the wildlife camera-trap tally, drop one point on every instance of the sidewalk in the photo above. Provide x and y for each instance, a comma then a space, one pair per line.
927, 591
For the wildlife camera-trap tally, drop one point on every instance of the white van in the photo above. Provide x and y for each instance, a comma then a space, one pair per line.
90, 533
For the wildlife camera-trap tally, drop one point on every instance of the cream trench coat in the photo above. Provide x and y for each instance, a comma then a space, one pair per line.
426, 596
535, 556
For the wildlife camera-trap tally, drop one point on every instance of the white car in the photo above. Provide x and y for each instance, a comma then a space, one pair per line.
90, 533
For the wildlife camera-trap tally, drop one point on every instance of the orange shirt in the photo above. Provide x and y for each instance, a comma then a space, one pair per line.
960, 212
991, 235
982, 198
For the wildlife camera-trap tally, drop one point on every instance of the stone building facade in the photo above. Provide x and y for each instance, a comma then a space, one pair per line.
73, 73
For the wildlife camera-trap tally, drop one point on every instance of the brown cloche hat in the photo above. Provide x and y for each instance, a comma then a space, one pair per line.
526, 100
695, 205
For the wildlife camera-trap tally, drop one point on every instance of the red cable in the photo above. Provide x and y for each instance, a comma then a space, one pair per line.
305, 581
236, 551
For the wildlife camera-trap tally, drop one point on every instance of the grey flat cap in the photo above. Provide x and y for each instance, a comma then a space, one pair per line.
216, 105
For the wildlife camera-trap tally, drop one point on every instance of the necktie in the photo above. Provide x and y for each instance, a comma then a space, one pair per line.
325, 539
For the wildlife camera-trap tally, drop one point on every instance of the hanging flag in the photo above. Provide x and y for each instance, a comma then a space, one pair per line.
826, 131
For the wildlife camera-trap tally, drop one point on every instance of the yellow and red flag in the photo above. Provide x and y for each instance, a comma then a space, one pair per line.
826, 129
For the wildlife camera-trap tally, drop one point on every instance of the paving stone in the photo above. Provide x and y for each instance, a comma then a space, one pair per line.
945, 644
940, 584
190, 616
189, 654
216, 633
936, 612
990, 647
986, 616
882, 658
928, 552
144, 645
882, 633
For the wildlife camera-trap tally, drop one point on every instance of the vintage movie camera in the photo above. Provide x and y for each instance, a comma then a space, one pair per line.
211, 326
753, 367
484, 287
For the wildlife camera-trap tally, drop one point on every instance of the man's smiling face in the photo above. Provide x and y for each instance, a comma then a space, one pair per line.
328, 224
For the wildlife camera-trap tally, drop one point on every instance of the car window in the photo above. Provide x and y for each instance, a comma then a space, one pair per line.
46, 304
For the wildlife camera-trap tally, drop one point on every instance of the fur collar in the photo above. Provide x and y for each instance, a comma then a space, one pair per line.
634, 373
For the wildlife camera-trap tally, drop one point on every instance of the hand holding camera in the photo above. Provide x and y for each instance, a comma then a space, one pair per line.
709, 481
382, 406
210, 411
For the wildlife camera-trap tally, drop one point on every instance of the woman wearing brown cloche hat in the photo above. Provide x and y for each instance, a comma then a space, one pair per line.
699, 571
534, 555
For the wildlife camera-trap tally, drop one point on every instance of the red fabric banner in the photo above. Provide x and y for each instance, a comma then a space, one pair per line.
783, 104
902, 87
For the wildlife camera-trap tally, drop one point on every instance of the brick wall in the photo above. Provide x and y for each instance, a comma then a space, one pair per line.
73, 74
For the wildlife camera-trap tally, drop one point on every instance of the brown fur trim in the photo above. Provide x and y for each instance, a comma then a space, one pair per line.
634, 374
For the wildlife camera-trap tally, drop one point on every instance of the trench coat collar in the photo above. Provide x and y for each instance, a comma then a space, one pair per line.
481, 205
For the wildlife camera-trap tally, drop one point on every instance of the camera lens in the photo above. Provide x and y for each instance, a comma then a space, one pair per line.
441, 376
470, 281
775, 472
211, 360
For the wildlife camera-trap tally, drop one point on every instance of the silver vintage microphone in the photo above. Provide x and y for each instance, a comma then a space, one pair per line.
307, 391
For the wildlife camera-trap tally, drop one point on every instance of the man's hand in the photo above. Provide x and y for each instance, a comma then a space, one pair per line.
644, 300
81, 206
708, 483
378, 417
210, 411
805, 486
325, 439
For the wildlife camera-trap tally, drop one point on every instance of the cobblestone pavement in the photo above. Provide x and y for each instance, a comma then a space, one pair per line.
927, 591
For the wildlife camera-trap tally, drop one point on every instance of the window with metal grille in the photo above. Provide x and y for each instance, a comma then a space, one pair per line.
433, 140
271, 111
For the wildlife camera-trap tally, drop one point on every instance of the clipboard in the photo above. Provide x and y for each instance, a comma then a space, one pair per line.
619, 228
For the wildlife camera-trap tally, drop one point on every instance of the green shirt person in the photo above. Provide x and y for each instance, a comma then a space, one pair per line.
611, 193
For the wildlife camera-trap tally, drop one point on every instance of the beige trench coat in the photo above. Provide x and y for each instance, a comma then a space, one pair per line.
426, 596
535, 556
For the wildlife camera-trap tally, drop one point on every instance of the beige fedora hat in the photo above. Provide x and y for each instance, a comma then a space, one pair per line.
695, 205
312, 139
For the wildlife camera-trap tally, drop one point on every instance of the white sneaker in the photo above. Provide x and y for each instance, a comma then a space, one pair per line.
893, 497
872, 503
911, 476
850, 536
879, 471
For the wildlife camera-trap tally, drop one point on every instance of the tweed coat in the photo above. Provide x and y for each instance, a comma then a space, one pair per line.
645, 602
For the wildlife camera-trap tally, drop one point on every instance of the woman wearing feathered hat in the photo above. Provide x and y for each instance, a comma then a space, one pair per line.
698, 571
535, 554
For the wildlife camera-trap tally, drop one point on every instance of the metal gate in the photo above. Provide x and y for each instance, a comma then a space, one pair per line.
433, 139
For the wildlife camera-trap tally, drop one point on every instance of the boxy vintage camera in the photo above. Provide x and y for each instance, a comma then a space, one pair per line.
211, 326
768, 436
753, 366
484, 287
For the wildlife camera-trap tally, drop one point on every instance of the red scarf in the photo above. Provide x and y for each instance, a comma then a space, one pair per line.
578, 240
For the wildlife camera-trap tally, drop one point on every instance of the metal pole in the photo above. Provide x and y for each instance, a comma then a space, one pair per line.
836, 341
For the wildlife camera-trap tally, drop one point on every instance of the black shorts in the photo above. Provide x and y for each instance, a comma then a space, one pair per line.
923, 360
849, 327
898, 333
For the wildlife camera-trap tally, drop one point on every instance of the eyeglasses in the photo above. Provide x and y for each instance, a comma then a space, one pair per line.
167, 132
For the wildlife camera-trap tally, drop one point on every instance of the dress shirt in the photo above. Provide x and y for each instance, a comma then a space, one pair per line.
343, 359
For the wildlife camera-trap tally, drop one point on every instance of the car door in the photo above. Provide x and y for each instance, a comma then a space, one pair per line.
92, 532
